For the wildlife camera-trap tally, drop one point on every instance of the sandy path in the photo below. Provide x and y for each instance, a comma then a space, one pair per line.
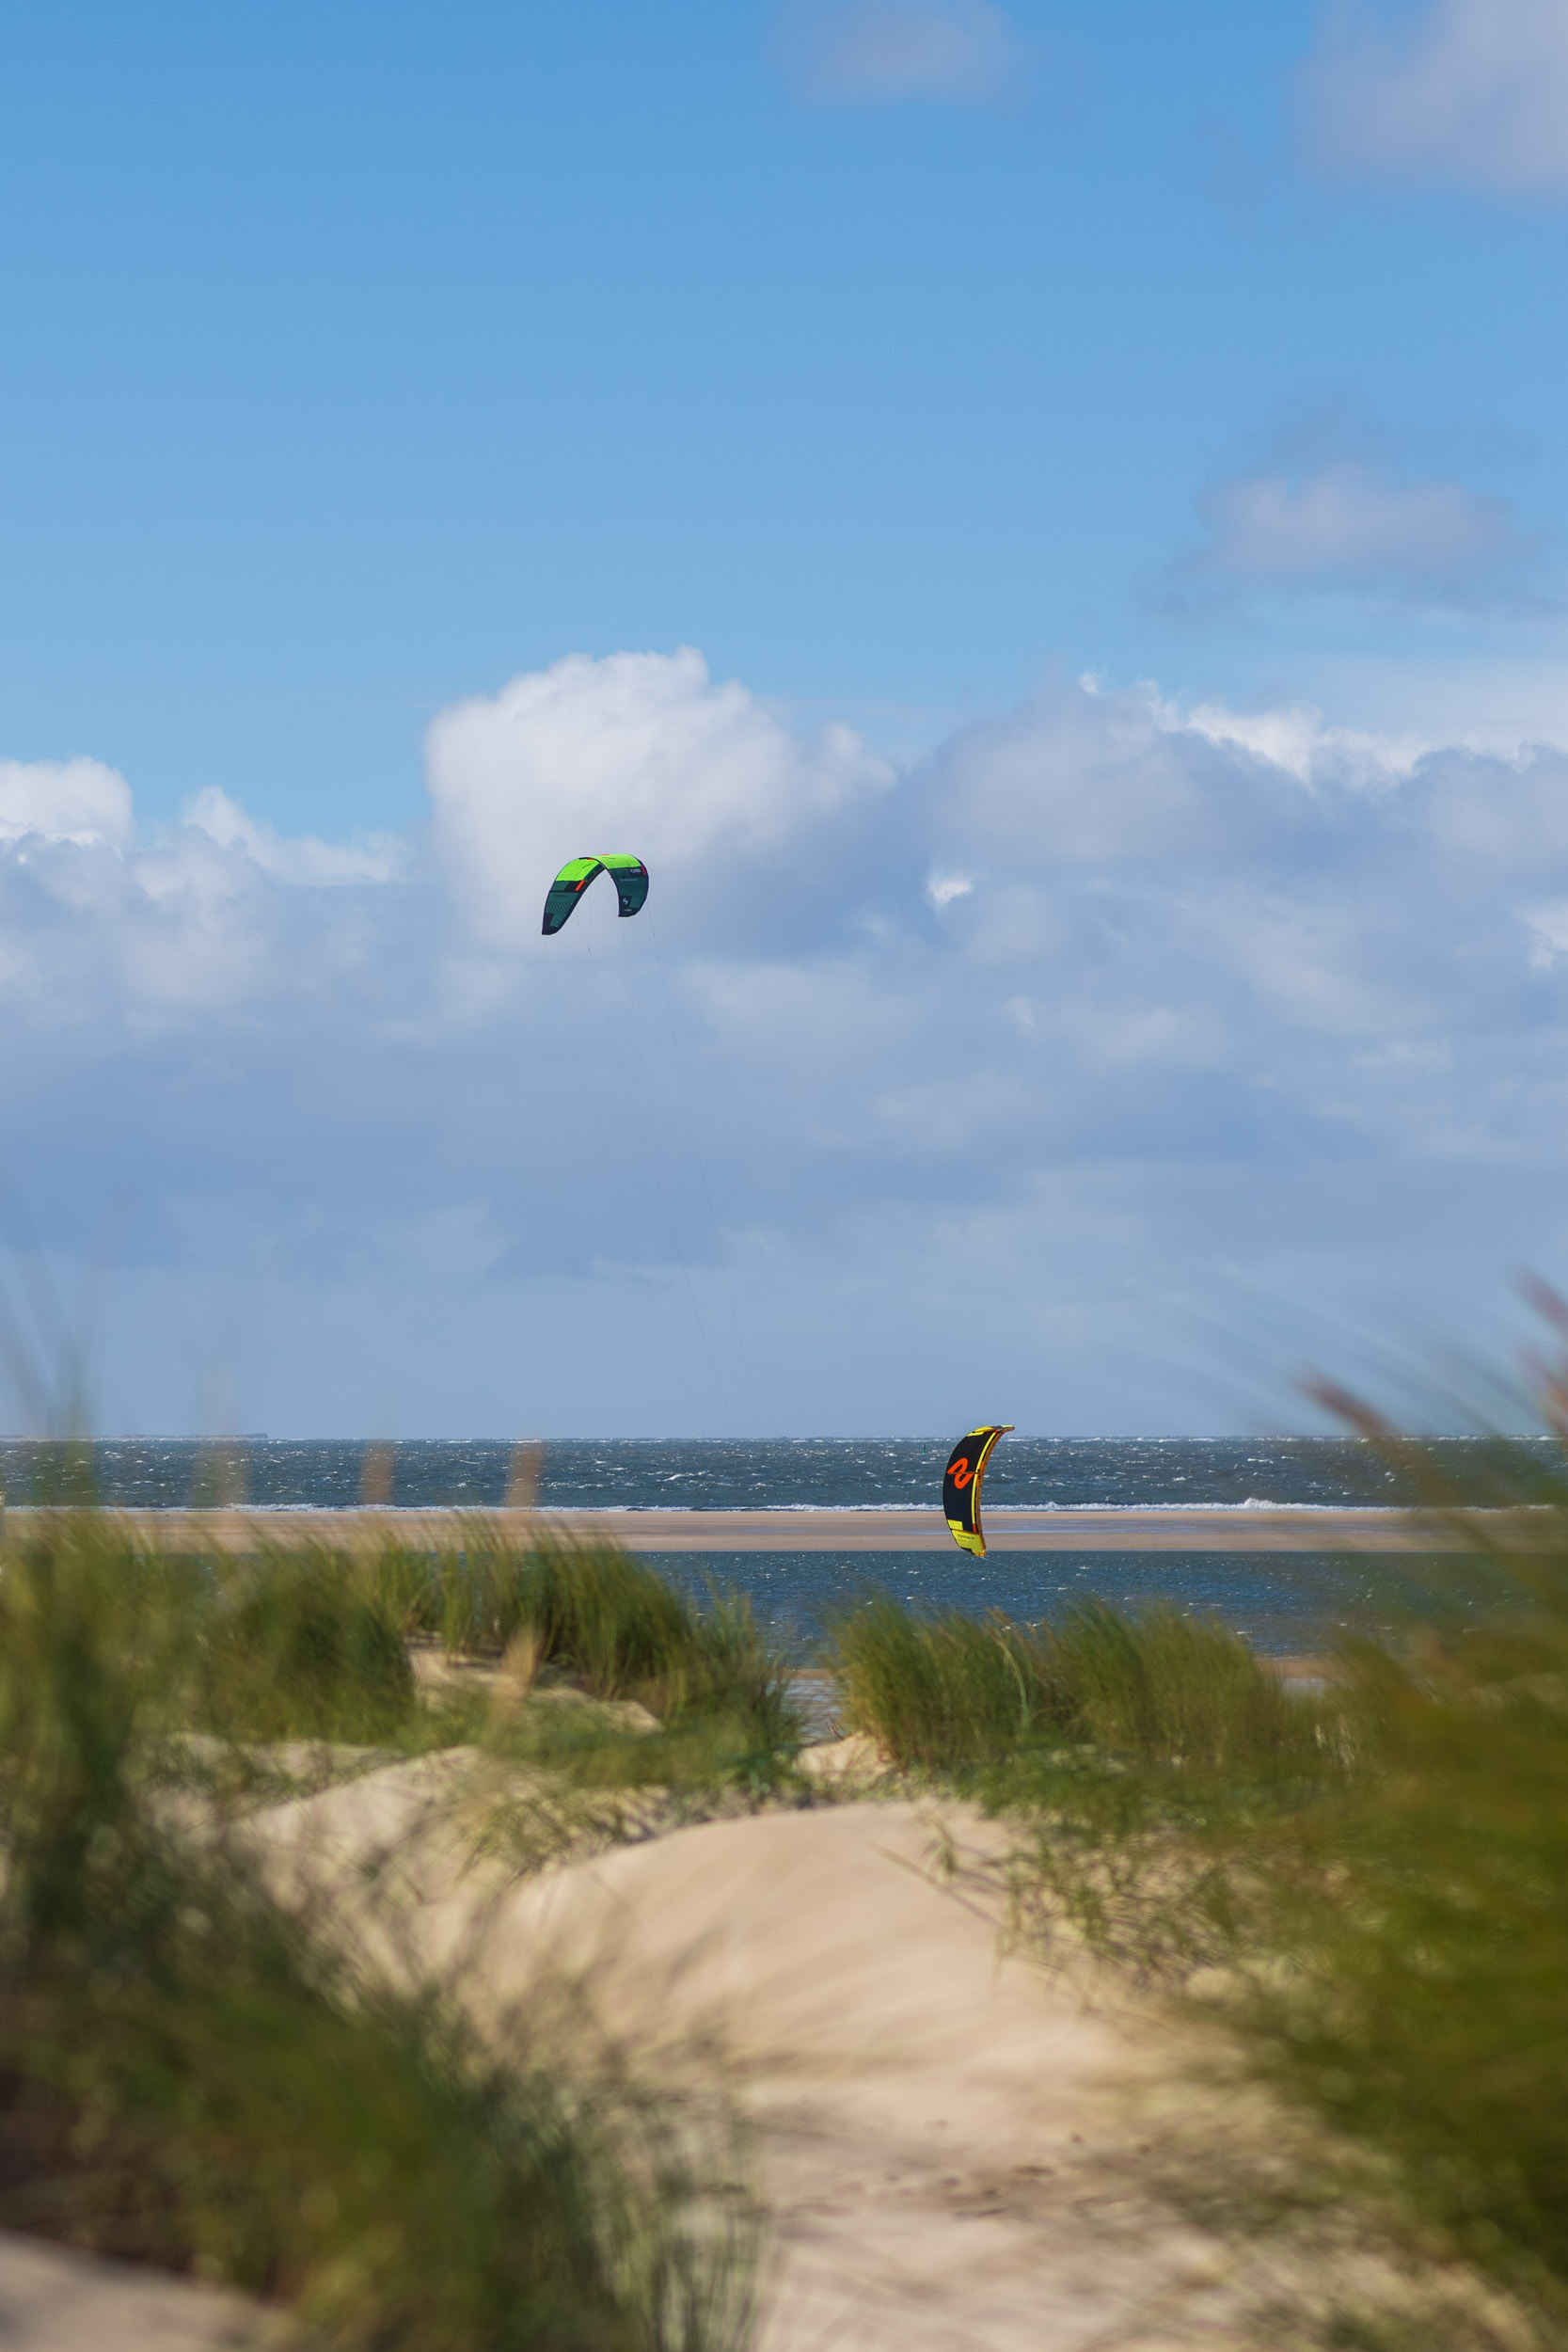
951, 2144
955, 2151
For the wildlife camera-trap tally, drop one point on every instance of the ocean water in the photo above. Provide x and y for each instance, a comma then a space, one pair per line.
728, 1475
1285, 1603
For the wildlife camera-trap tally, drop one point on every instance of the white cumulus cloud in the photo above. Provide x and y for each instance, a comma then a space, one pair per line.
1296, 737
301, 858
881, 52
102, 928
640, 753
69, 800
1472, 93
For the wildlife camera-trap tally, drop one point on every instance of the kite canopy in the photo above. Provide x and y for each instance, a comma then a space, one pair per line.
629, 874
961, 1482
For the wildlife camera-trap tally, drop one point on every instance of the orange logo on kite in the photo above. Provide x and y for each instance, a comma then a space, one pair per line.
961, 1472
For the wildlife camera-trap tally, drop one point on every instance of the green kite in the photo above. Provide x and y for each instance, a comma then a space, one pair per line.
629, 874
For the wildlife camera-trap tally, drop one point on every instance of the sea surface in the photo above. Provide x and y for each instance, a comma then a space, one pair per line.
1283, 1601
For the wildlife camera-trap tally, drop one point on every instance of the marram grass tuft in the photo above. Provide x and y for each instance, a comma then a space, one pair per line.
190, 2075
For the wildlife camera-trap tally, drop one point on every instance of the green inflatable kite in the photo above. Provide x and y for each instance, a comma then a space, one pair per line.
629, 874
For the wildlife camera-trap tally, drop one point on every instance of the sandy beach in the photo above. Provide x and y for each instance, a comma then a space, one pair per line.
1244, 1528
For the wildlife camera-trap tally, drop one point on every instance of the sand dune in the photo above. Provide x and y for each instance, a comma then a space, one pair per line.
954, 2150
951, 2144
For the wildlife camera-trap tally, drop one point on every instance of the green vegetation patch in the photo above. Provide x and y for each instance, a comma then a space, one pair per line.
951, 1692
293, 1646
718, 1690
190, 2075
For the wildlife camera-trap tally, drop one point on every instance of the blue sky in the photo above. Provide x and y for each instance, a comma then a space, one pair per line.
390, 394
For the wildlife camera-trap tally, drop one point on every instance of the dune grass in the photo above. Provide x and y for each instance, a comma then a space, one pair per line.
951, 1692
311, 1642
941, 1691
189, 2075
719, 1688
290, 1646
1396, 1952
212, 2094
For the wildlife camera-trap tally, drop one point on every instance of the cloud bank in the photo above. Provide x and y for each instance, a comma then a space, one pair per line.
984, 1074
1467, 93
1346, 524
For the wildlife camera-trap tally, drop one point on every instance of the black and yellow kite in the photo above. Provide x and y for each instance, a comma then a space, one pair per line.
960, 1486
629, 874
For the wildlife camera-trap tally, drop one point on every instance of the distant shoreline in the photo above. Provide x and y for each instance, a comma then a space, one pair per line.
1248, 1527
